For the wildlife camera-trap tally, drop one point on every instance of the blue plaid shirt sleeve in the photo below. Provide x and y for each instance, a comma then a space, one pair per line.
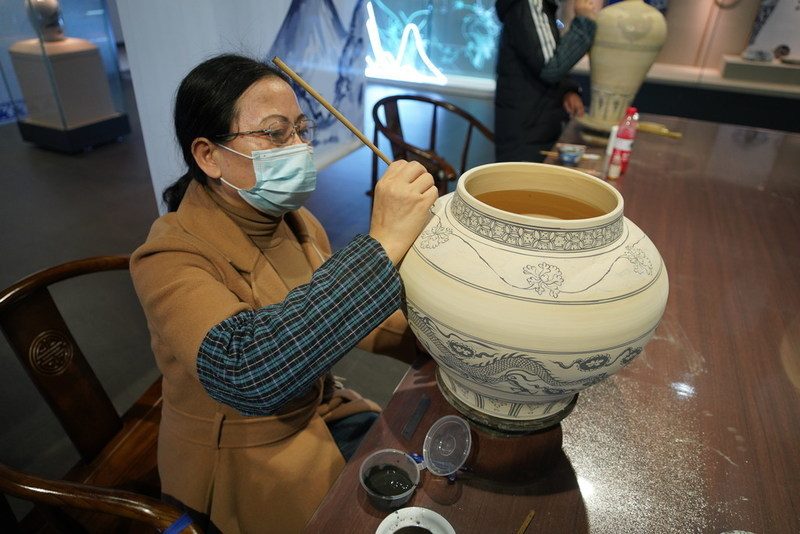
258, 360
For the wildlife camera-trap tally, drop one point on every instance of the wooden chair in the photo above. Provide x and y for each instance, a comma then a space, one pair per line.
115, 486
391, 127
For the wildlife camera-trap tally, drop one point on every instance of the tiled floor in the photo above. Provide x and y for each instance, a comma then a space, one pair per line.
56, 208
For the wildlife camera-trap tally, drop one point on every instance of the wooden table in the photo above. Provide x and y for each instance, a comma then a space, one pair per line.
701, 433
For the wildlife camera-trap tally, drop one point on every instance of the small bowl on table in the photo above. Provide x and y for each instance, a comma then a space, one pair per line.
570, 154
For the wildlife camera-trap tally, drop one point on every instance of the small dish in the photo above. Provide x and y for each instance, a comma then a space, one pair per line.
414, 516
570, 154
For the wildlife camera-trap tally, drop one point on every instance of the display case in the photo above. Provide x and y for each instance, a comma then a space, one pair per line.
61, 75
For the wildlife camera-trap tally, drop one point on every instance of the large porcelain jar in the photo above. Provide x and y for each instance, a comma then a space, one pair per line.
525, 298
629, 36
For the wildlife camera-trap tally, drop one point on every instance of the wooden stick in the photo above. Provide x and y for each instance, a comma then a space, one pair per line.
300, 81
554, 154
658, 129
524, 526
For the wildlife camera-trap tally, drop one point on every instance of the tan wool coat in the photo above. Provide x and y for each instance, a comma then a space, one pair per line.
249, 474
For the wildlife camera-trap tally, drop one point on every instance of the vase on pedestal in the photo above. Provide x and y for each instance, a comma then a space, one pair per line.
629, 36
527, 286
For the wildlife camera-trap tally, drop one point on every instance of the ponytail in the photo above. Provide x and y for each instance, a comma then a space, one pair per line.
173, 194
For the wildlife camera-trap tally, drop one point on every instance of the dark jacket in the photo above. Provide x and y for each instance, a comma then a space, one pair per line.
532, 66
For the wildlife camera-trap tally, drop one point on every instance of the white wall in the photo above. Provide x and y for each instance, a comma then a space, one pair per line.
165, 40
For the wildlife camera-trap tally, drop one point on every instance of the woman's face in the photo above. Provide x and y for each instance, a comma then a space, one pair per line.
263, 105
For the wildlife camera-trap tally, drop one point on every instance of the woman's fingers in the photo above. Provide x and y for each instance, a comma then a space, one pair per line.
401, 204
412, 172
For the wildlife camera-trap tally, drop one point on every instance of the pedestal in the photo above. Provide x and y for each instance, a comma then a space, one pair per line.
67, 95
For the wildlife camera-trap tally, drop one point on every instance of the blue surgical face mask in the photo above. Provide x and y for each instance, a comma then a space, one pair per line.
285, 178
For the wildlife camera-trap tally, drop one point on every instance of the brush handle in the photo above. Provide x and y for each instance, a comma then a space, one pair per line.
302, 83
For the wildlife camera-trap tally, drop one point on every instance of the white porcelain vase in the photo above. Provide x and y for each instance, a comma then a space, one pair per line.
521, 311
629, 36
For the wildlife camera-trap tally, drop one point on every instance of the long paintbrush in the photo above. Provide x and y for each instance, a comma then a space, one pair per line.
302, 83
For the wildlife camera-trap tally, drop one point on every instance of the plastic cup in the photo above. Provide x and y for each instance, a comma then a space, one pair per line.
379, 471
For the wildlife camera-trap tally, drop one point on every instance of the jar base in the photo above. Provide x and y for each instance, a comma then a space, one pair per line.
501, 426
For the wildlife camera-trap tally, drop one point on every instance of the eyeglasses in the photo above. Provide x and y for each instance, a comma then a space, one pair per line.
279, 132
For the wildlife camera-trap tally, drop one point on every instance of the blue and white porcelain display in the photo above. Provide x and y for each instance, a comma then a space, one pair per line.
523, 309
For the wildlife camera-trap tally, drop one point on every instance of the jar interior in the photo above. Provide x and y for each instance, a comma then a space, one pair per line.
549, 193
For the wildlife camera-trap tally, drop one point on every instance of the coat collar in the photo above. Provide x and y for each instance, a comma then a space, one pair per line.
200, 216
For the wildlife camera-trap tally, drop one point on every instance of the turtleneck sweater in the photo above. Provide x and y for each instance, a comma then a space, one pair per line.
273, 237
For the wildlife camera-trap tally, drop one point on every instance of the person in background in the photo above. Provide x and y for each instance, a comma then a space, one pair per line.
534, 95
248, 309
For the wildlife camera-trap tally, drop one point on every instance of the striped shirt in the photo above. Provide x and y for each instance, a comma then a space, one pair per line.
560, 54
258, 360
547, 37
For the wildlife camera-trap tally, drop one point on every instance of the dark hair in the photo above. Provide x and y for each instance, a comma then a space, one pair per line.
205, 106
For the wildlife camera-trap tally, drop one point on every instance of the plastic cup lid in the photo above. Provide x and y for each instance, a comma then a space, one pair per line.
447, 445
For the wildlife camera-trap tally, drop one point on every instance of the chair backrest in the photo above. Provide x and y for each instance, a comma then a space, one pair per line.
118, 453
391, 127
46, 349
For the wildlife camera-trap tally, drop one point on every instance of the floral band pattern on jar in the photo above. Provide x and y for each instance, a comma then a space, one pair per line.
527, 237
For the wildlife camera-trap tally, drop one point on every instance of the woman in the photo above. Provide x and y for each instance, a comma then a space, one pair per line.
248, 310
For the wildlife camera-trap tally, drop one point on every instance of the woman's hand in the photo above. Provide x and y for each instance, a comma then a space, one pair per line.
587, 8
401, 207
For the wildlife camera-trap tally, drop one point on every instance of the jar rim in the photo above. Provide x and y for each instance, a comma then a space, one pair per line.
541, 177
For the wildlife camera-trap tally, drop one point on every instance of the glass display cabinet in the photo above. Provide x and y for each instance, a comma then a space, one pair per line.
61, 78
